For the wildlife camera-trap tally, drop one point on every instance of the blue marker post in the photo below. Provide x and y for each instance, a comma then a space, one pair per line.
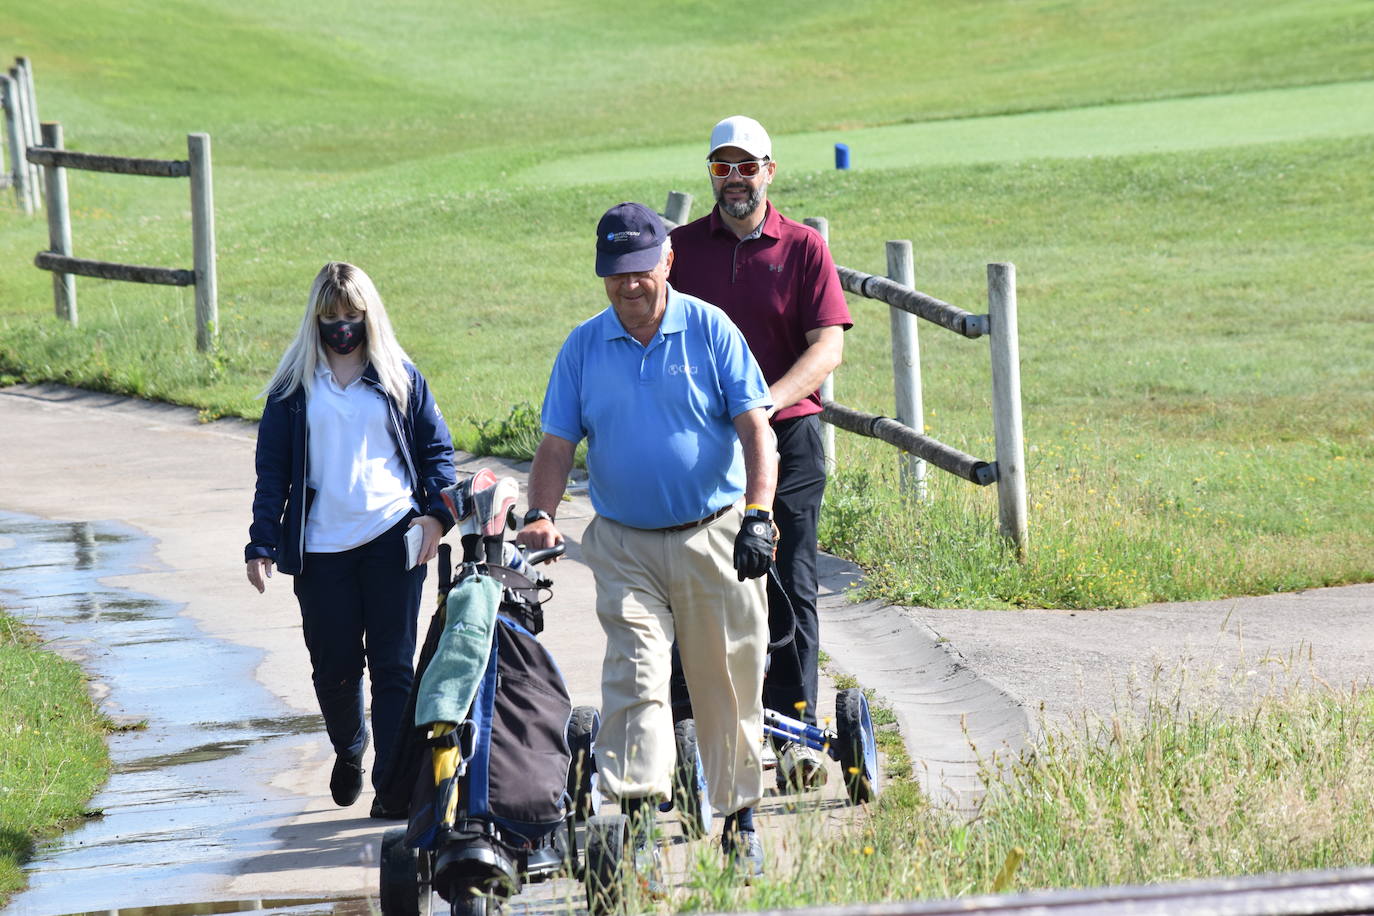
841, 155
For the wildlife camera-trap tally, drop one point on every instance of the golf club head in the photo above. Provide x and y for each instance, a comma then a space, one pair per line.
500, 514
492, 501
462, 499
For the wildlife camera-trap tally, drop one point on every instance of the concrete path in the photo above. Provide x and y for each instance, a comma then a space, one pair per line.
964, 684
78, 456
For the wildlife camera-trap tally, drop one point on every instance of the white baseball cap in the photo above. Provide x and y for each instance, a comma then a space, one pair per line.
745, 133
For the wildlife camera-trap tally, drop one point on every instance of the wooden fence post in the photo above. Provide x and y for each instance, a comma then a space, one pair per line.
203, 241
27, 136
1006, 405
6, 154
906, 368
14, 130
31, 106
678, 208
822, 225
59, 227
21, 124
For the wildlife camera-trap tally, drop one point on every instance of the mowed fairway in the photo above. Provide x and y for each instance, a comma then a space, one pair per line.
1184, 189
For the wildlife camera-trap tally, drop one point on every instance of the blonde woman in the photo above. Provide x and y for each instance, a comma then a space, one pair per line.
352, 453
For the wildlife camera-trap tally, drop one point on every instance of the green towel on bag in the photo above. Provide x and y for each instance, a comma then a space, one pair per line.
450, 682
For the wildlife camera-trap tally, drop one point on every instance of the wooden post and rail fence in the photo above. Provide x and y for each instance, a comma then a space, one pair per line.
37, 171
56, 160
906, 431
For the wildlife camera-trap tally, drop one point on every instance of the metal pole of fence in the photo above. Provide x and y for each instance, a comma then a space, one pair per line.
678, 208
203, 241
1006, 405
822, 225
19, 168
59, 227
906, 368
31, 105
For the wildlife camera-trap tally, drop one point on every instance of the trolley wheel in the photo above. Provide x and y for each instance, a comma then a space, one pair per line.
857, 745
400, 888
470, 902
689, 782
583, 725
606, 868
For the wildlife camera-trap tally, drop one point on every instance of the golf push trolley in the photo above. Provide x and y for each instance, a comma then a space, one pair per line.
498, 772
483, 770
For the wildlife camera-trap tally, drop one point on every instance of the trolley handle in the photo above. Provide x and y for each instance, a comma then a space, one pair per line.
535, 557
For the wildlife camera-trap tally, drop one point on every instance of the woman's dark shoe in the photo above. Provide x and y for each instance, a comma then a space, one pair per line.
346, 782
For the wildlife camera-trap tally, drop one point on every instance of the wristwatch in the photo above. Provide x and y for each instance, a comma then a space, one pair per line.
535, 515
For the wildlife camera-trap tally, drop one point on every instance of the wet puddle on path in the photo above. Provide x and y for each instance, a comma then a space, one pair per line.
344, 906
189, 791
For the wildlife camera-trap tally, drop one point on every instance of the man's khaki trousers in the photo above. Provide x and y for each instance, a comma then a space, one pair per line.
656, 586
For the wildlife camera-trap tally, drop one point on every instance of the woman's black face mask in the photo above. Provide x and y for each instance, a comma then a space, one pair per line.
343, 337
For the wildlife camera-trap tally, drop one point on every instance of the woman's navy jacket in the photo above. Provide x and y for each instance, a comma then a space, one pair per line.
281, 501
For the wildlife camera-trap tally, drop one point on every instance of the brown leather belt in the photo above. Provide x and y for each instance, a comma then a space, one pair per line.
701, 521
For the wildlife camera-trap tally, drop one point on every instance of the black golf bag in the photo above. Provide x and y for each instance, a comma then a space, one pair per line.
483, 772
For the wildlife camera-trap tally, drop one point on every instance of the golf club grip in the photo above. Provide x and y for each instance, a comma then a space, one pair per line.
445, 566
470, 543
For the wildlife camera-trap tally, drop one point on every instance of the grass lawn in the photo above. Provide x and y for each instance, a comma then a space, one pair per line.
52, 749
1183, 189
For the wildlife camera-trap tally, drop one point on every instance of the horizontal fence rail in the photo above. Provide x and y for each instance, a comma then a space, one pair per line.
917, 303
119, 165
945, 457
108, 270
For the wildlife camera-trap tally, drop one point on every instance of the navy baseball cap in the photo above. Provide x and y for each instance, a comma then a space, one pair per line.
629, 240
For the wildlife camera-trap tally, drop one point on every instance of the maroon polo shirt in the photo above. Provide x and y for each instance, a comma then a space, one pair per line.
775, 286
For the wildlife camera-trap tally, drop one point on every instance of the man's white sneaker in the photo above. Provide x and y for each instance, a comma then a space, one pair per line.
800, 768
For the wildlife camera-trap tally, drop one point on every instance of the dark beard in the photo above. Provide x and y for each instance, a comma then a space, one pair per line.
742, 208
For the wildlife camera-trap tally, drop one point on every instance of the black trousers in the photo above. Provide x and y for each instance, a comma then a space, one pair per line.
360, 607
792, 675
792, 667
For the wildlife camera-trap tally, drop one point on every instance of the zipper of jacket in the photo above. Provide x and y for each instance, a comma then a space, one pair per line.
305, 488
401, 444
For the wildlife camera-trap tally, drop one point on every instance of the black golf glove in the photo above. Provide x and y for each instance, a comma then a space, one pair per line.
753, 548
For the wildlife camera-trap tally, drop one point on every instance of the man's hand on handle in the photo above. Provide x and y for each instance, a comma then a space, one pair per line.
539, 535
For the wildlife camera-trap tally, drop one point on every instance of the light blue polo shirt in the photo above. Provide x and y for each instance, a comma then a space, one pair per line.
658, 419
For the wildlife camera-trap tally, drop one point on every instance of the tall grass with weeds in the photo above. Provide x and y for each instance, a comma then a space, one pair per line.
52, 748
1233, 781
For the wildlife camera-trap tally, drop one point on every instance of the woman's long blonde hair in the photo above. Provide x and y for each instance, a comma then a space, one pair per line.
340, 287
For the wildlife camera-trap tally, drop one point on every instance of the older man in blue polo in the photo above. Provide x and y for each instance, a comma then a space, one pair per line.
682, 470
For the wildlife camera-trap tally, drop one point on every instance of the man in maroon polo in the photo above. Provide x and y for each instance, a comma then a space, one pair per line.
774, 277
